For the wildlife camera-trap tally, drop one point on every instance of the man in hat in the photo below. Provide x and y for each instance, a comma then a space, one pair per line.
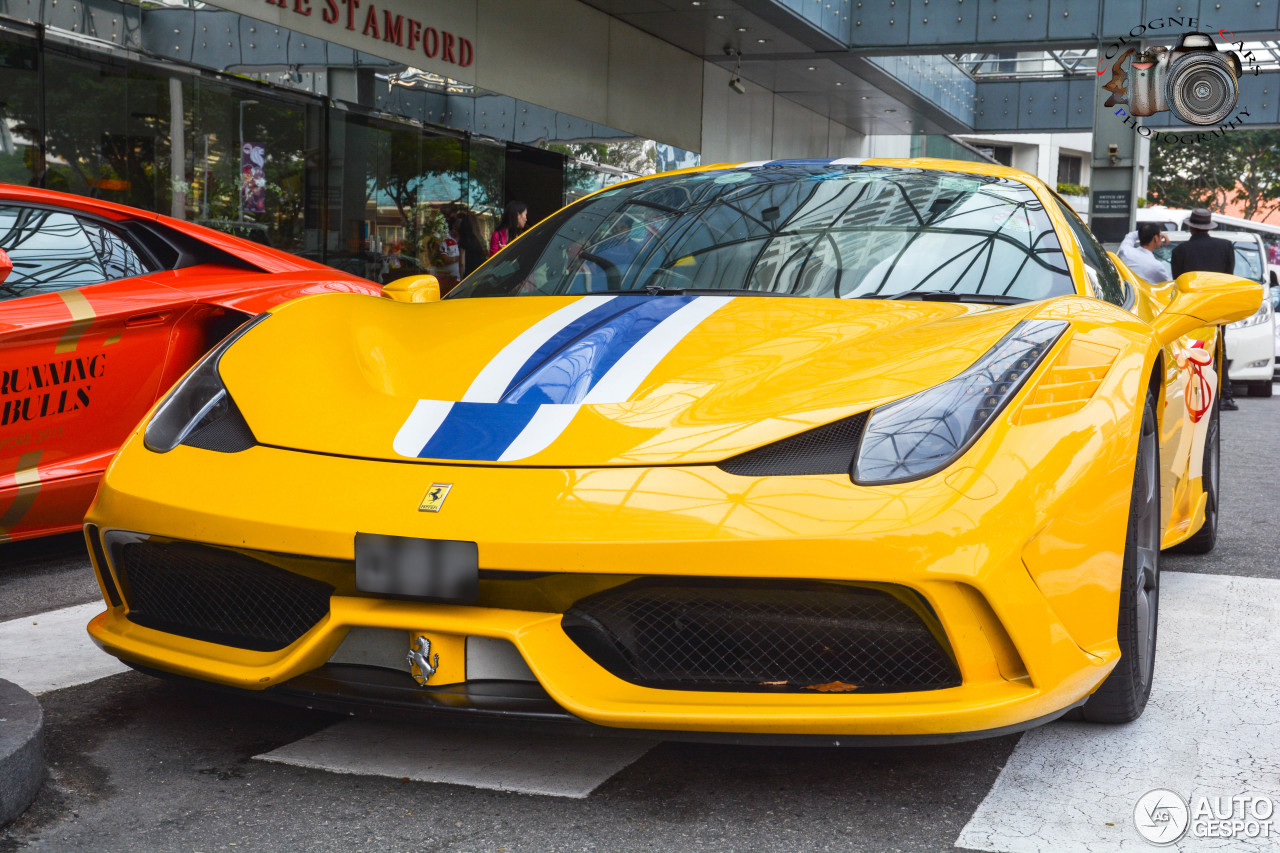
1202, 253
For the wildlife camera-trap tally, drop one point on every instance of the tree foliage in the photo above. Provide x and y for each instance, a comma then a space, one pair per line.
1241, 167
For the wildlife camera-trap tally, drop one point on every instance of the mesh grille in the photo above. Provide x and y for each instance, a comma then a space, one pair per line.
761, 637
228, 434
828, 449
219, 596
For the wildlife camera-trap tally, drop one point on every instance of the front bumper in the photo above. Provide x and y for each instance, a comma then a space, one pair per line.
1027, 624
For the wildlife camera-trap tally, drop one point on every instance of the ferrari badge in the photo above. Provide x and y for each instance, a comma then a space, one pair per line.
434, 498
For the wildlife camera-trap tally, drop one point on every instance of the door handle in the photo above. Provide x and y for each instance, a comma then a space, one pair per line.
153, 319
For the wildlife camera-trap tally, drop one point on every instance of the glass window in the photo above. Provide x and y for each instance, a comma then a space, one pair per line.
49, 249
1103, 275
1248, 260
21, 159
796, 230
119, 260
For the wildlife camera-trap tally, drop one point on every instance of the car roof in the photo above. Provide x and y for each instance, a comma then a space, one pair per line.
1233, 236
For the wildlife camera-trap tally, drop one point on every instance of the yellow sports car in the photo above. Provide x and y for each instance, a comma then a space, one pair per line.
882, 448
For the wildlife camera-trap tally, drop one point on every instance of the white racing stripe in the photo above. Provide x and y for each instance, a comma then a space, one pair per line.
53, 650
1211, 729
489, 758
546, 426
625, 376
491, 381
422, 423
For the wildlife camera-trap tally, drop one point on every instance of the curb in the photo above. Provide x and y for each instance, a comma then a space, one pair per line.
21, 750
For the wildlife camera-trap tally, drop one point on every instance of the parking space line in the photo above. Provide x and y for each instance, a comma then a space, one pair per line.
493, 759
1210, 729
52, 650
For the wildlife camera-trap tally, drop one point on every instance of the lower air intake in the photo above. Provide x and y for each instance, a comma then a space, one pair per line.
763, 637
218, 596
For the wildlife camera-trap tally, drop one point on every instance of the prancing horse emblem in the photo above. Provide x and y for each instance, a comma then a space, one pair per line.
426, 662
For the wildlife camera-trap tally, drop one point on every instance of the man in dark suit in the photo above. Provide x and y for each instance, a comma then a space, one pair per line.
1202, 253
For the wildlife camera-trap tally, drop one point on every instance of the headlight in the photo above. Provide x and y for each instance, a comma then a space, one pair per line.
922, 434
199, 400
1262, 315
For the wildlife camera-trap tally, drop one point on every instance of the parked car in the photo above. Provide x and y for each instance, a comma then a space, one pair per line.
102, 308
1251, 356
826, 448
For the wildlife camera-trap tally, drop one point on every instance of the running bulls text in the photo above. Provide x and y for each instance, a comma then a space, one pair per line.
49, 388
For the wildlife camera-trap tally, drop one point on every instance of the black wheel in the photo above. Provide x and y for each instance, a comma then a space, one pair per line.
1259, 389
1123, 696
1203, 540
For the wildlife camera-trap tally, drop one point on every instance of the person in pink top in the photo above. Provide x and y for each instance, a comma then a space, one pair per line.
513, 222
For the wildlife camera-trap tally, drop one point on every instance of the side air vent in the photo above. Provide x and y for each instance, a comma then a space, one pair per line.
227, 434
1069, 383
828, 449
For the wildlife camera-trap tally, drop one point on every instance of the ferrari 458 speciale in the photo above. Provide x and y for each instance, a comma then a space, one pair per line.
827, 448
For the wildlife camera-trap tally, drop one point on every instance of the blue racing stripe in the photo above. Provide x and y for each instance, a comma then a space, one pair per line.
566, 336
567, 374
480, 431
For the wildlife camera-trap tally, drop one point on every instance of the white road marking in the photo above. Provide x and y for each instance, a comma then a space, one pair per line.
53, 650
1210, 729
489, 758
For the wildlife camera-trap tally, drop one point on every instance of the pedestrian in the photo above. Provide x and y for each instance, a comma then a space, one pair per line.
1202, 253
472, 242
513, 222
1138, 252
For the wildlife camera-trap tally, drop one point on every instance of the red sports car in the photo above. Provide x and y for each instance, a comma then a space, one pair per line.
102, 308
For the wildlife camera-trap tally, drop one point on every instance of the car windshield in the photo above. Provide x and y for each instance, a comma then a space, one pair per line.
1248, 258
819, 230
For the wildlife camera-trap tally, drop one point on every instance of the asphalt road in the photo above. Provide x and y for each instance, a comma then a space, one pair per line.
139, 764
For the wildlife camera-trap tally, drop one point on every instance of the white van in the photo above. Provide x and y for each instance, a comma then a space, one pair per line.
1251, 343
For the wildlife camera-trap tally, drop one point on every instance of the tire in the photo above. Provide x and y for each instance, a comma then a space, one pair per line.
1259, 389
1123, 696
1203, 540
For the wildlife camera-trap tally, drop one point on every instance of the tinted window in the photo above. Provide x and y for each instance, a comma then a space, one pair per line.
119, 260
1103, 275
52, 250
792, 229
49, 249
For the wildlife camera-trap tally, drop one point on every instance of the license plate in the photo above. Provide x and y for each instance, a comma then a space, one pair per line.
435, 569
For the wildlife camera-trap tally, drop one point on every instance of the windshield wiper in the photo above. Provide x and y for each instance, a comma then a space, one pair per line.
951, 296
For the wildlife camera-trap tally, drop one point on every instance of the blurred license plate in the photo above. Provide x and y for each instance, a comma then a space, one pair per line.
439, 569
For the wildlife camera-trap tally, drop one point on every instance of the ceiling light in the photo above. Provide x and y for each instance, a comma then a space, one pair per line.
762, 41
742, 29
891, 111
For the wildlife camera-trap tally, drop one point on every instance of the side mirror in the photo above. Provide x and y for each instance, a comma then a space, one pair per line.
1206, 299
6, 266
413, 288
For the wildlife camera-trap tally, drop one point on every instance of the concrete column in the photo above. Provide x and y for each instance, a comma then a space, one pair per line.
1114, 175
177, 150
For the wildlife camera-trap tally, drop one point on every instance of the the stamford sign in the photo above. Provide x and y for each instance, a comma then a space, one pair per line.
383, 25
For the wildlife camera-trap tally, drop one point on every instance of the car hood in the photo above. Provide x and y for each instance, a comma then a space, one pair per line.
590, 380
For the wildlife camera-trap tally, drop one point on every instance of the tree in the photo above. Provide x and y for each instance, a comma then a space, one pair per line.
1241, 166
